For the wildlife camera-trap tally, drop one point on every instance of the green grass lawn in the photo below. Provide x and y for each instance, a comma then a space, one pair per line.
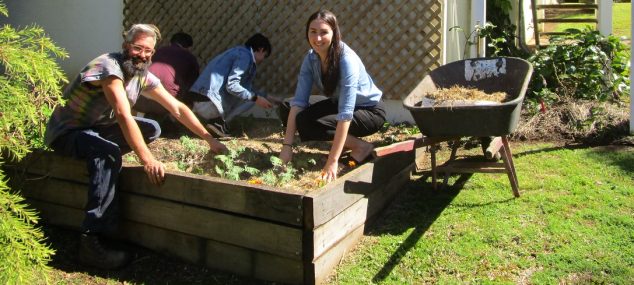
621, 21
574, 223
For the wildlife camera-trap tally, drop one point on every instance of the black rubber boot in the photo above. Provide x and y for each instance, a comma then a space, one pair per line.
93, 253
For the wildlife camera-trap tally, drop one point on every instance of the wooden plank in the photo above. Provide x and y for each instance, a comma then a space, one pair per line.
49, 164
567, 6
252, 263
324, 204
61, 192
240, 197
361, 212
320, 269
220, 226
280, 269
493, 148
458, 166
58, 214
259, 201
190, 248
407, 145
229, 258
339, 227
567, 21
171, 243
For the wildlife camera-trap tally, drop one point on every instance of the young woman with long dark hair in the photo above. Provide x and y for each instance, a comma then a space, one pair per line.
353, 107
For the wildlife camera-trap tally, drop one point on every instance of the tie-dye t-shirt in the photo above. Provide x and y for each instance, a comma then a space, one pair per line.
86, 105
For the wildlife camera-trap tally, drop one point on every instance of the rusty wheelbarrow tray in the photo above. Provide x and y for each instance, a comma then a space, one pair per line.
445, 123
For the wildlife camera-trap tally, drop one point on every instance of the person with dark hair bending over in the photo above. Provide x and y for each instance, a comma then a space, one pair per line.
353, 108
225, 90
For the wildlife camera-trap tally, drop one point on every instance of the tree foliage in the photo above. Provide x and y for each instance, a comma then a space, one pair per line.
30, 87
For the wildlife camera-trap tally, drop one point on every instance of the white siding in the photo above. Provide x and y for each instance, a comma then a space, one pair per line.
85, 28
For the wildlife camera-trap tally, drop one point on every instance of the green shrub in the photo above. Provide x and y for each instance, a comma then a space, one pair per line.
580, 65
30, 86
23, 255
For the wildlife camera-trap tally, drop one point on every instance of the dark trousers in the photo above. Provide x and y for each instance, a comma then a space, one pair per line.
318, 122
102, 148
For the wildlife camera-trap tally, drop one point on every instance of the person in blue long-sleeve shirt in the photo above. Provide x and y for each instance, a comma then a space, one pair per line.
224, 89
353, 107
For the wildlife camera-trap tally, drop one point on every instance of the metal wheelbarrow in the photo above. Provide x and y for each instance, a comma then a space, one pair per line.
446, 123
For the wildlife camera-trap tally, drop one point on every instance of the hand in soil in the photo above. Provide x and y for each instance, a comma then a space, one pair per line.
329, 173
286, 154
217, 147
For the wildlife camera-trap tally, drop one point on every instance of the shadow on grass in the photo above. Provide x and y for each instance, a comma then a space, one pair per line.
547, 149
621, 156
146, 267
418, 207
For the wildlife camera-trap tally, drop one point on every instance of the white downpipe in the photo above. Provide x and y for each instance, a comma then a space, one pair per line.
605, 17
631, 76
445, 32
478, 17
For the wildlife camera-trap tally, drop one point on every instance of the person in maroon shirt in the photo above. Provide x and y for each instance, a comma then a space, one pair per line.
177, 68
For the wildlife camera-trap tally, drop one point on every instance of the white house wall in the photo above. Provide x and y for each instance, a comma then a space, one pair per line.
457, 13
85, 28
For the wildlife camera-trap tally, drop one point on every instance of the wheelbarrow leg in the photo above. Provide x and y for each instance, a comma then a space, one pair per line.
507, 157
454, 149
432, 152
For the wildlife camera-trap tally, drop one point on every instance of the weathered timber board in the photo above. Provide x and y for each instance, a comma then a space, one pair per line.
259, 201
357, 214
61, 192
218, 255
225, 227
48, 164
187, 247
203, 222
327, 202
56, 214
321, 268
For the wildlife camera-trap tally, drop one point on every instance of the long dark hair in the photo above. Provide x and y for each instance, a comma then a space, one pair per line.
330, 79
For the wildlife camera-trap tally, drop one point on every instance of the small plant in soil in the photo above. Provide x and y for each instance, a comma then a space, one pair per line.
232, 167
254, 158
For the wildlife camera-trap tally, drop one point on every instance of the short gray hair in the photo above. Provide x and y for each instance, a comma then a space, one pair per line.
148, 29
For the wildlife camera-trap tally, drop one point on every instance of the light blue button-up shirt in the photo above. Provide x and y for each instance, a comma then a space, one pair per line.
355, 88
230, 73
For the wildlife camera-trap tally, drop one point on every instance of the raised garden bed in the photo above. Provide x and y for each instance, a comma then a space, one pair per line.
252, 230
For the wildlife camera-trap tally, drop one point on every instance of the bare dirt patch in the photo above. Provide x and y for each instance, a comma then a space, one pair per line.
577, 122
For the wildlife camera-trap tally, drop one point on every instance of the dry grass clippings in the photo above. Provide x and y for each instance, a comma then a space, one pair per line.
454, 94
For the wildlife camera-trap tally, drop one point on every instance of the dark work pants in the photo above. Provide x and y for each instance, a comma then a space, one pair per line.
318, 122
102, 148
